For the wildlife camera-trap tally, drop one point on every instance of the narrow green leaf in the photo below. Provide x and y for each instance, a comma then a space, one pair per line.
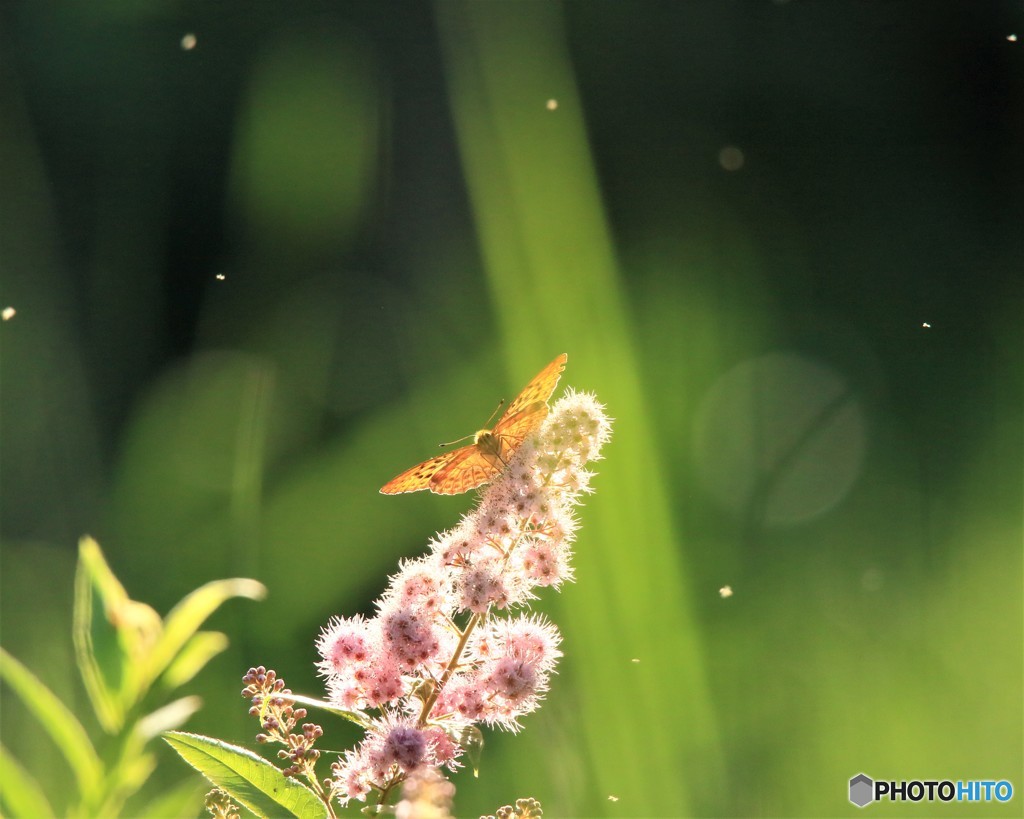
20, 794
58, 722
167, 718
130, 775
197, 652
113, 637
183, 801
184, 620
358, 717
99, 651
250, 780
471, 739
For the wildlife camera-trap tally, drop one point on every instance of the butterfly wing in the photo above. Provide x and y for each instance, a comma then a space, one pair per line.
539, 389
460, 470
511, 432
468, 471
419, 476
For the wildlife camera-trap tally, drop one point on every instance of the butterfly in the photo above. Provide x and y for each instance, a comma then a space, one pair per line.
467, 467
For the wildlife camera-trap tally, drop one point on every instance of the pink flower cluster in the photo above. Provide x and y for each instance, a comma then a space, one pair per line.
444, 651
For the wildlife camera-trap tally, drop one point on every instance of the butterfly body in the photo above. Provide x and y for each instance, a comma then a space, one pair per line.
468, 467
487, 442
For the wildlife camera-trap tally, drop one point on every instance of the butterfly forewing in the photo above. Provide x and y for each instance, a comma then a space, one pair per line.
470, 466
418, 477
511, 432
539, 389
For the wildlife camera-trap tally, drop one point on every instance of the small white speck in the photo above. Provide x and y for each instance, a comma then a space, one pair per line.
725, 591
1011, 38
551, 104
612, 798
872, 580
221, 277
731, 158
635, 660
8, 313
188, 42
926, 325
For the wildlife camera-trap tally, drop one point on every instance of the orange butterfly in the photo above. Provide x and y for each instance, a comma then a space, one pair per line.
470, 466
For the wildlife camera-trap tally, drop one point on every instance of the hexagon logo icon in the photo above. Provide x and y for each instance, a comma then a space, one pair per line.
862, 790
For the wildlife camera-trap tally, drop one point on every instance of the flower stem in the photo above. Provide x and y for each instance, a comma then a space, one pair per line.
429, 702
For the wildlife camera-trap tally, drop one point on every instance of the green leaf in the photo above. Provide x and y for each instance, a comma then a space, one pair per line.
197, 652
250, 780
128, 776
471, 739
58, 722
109, 631
20, 794
358, 717
180, 802
184, 620
167, 717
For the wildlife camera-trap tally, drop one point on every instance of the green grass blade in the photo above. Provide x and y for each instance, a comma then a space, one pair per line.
556, 286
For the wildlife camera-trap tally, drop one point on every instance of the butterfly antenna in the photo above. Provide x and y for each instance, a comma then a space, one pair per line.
457, 440
501, 403
464, 437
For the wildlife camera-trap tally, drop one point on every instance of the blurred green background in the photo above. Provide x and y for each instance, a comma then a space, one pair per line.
257, 274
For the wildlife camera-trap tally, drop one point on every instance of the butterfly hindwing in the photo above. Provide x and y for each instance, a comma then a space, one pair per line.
471, 469
511, 432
